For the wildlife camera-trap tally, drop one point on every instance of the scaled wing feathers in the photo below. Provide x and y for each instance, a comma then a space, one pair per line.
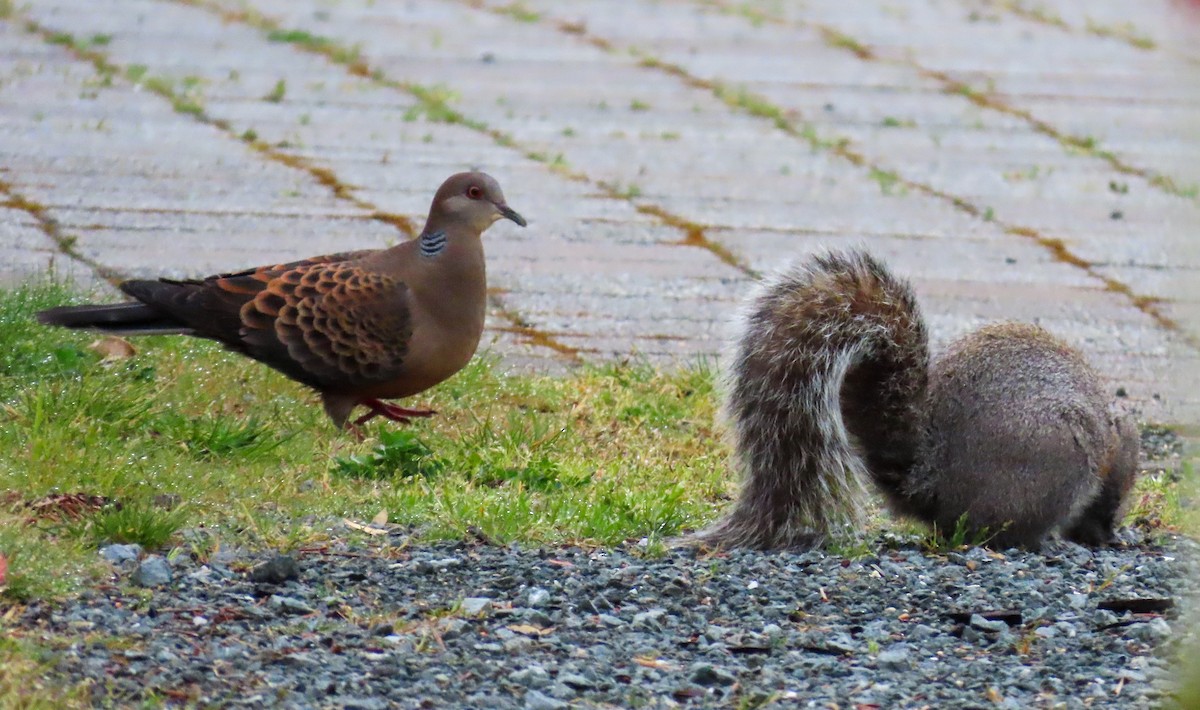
326, 321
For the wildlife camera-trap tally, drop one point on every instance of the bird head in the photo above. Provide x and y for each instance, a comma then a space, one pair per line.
474, 199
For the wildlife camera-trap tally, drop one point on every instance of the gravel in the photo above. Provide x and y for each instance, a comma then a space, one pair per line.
398, 624
154, 571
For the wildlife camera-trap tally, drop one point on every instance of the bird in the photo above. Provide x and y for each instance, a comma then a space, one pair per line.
358, 327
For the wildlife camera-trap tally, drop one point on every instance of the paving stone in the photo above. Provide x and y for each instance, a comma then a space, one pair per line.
617, 162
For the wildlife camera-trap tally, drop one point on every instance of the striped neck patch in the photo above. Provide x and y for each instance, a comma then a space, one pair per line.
433, 243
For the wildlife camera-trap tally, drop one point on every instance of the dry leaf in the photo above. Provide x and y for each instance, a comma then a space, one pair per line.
110, 347
60, 507
380, 519
658, 663
3, 570
364, 528
527, 630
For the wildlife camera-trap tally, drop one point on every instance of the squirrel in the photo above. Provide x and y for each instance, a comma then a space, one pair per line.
830, 385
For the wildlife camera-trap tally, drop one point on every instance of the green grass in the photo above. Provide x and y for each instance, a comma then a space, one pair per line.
602, 456
26, 679
184, 435
277, 94
336, 52
195, 449
300, 37
142, 522
1187, 520
961, 536
519, 12
434, 105
889, 182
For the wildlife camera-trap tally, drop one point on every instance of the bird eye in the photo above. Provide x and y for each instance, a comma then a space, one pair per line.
474, 192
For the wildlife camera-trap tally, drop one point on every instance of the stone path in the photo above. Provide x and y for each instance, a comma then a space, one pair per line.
1016, 159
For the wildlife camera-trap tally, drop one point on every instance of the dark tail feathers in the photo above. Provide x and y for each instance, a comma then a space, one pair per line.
131, 318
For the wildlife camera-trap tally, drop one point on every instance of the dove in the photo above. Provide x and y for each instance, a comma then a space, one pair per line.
357, 327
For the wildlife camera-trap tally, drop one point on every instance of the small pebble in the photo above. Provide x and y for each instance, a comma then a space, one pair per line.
289, 605
475, 605
508, 630
277, 570
537, 598
649, 619
709, 675
895, 658
121, 554
535, 700
154, 571
989, 625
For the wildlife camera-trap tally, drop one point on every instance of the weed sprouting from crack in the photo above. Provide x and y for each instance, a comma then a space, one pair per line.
527, 332
520, 12
183, 95
983, 98
277, 94
1125, 32
341, 54
889, 181
435, 106
66, 244
754, 104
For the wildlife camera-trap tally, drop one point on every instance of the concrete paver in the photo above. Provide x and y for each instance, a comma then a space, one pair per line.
664, 153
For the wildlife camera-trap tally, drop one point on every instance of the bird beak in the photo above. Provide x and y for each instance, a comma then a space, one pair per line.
509, 213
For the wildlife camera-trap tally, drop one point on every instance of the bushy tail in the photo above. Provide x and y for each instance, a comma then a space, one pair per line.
825, 387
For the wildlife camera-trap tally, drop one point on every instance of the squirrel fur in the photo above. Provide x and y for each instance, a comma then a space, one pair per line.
831, 386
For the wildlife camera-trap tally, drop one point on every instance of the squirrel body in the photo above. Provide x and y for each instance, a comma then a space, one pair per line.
831, 386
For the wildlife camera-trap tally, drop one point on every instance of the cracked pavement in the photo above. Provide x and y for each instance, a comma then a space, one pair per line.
1016, 161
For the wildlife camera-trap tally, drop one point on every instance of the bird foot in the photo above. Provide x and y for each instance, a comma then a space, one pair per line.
393, 412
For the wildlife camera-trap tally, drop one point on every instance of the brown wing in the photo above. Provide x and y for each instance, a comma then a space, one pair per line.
328, 324
341, 256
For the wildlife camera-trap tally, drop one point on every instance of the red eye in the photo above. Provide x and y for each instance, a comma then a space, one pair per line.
474, 192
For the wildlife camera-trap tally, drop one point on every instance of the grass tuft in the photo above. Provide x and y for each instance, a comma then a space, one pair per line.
300, 37
28, 680
277, 94
519, 12
42, 564
608, 454
961, 537
399, 454
144, 523
603, 455
209, 437
186, 445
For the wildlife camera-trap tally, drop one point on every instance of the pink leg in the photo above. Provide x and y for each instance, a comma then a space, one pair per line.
390, 411
366, 417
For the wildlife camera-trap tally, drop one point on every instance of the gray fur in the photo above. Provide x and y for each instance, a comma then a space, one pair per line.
829, 386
